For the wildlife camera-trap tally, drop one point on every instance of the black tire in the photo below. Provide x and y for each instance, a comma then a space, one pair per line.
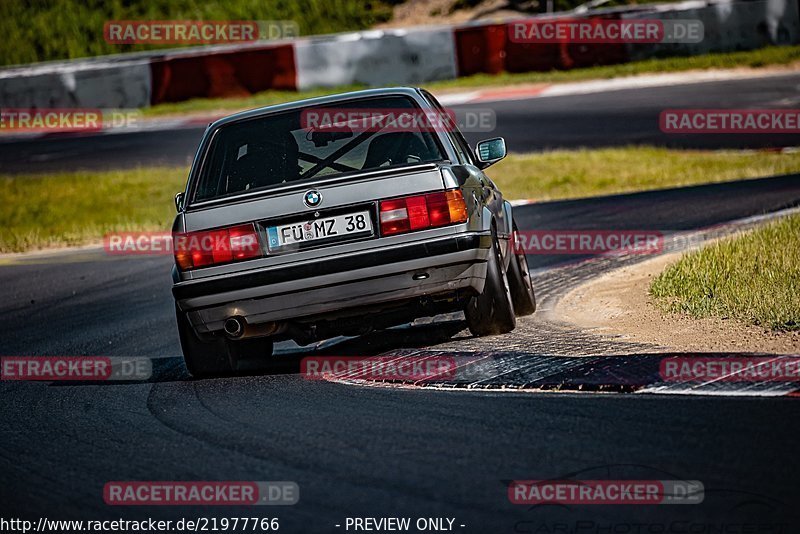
202, 358
492, 312
221, 356
252, 355
520, 282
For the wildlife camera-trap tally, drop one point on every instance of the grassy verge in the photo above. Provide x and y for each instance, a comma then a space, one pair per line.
773, 55
225, 105
754, 278
66, 29
73, 208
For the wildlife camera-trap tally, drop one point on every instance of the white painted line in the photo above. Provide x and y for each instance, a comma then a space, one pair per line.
642, 81
454, 99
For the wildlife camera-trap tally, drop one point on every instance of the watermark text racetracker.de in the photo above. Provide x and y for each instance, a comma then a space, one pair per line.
606, 492
47, 120
158, 243
176, 32
201, 493
730, 121
349, 120
379, 367
731, 369
588, 242
82, 368
607, 31
401, 368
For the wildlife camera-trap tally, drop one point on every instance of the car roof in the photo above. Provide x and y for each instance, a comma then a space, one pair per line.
320, 100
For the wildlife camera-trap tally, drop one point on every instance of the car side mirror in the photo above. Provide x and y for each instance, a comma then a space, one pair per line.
179, 201
491, 151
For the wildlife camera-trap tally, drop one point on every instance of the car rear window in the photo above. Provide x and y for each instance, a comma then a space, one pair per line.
256, 154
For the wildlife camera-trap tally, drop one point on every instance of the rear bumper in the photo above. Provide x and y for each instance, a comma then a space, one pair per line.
334, 284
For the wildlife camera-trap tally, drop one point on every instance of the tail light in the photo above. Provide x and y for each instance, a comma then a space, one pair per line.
418, 212
215, 247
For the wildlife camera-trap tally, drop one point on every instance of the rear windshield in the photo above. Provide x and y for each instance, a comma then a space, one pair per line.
286, 147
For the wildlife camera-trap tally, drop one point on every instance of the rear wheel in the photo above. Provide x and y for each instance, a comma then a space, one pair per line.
202, 358
251, 355
221, 356
520, 282
492, 312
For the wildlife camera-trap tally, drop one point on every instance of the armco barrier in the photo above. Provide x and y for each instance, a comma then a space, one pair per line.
88, 84
727, 27
183, 76
376, 58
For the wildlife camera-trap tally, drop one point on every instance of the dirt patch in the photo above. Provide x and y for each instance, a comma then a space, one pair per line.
617, 304
425, 12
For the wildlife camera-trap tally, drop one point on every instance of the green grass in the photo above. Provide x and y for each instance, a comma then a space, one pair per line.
43, 30
580, 173
754, 278
773, 55
226, 105
75, 208
65, 29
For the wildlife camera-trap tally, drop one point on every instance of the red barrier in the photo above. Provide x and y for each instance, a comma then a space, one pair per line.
589, 55
225, 74
491, 49
526, 57
480, 49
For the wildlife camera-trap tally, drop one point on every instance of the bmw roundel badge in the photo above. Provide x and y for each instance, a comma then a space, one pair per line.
312, 198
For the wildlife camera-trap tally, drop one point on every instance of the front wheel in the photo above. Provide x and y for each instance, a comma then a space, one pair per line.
492, 312
520, 282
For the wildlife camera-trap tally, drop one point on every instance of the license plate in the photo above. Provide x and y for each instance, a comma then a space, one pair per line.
348, 225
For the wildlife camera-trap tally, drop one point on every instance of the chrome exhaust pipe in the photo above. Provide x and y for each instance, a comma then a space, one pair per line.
234, 327
237, 328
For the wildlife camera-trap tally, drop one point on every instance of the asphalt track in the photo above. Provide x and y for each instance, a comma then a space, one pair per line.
613, 118
361, 451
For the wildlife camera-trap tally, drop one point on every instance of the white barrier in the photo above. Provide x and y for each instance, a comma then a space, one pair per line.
77, 85
728, 26
376, 58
